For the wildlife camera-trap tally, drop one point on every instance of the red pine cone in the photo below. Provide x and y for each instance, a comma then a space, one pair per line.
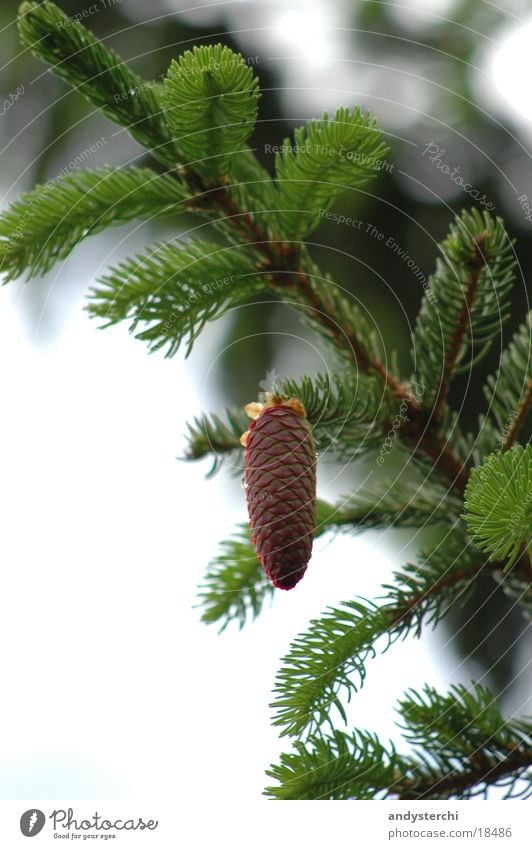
280, 478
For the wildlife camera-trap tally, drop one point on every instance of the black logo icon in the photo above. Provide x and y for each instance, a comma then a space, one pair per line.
32, 822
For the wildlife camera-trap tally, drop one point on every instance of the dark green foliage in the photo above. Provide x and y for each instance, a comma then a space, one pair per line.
341, 766
235, 588
211, 99
509, 391
467, 302
78, 57
197, 124
344, 414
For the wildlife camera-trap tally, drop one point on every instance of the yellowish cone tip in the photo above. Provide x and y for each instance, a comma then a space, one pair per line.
255, 408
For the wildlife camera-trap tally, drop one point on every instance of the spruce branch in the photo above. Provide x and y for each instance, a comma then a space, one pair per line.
46, 224
327, 157
343, 410
345, 150
340, 766
198, 123
392, 504
347, 147
469, 743
298, 280
235, 588
78, 57
210, 435
498, 504
462, 746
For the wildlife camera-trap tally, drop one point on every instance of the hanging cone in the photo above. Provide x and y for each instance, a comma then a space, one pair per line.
280, 479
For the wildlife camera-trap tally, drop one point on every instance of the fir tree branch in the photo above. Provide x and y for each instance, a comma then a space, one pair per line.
344, 413
472, 283
470, 744
174, 289
498, 504
328, 156
210, 435
425, 433
235, 588
462, 746
355, 766
391, 504
509, 390
298, 280
477, 266
472, 781
211, 97
521, 415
